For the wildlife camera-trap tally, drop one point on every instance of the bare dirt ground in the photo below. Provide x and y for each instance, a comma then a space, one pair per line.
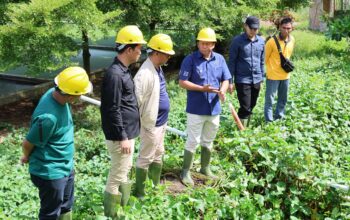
16, 114
175, 186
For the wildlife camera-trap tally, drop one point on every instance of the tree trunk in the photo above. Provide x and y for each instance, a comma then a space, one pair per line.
86, 53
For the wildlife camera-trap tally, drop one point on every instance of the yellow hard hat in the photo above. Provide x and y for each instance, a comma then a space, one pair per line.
73, 81
207, 34
161, 43
130, 34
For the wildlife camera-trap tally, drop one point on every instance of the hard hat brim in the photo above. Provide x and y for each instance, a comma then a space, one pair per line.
126, 43
88, 89
206, 40
169, 52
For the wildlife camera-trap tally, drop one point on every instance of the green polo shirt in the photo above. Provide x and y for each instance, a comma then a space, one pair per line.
52, 134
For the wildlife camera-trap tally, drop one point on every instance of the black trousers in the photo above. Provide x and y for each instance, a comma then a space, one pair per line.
247, 96
56, 196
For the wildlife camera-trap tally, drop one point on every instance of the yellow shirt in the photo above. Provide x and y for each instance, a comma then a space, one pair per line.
274, 70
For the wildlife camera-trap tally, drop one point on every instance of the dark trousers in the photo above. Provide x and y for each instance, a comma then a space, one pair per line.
247, 96
56, 196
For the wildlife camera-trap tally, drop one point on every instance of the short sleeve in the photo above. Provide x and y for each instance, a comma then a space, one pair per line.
41, 129
226, 75
186, 68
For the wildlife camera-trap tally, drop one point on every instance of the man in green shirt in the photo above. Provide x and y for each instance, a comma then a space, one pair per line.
49, 144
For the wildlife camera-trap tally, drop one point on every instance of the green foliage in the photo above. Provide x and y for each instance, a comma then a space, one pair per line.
183, 19
43, 35
320, 47
3, 9
271, 171
339, 27
295, 4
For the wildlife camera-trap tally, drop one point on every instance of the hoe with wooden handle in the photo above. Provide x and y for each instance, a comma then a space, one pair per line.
236, 118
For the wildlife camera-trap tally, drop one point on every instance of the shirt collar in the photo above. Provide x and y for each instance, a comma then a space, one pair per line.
198, 55
285, 41
121, 65
245, 35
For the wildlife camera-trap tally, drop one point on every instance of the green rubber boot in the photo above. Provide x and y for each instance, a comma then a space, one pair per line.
66, 216
185, 173
248, 122
244, 122
141, 175
154, 172
125, 189
109, 203
205, 162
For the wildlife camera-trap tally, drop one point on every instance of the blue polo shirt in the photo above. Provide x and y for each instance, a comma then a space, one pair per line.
246, 62
196, 69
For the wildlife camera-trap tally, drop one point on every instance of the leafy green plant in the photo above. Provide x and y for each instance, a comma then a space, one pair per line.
271, 171
339, 27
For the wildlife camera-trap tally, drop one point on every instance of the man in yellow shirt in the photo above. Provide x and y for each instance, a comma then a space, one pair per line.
277, 79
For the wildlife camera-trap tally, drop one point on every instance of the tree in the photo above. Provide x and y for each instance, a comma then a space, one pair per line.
182, 19
43, 34
295, 4
3, 8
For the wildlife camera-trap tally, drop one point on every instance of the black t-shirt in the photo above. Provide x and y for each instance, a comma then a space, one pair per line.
119, 111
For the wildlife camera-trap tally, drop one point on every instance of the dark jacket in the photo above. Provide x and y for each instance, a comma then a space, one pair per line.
119, 112
246, 61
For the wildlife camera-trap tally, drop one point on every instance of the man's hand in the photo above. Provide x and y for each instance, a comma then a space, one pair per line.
231, 88
222, 96
125, 145
24, 159
27, 149
208, 88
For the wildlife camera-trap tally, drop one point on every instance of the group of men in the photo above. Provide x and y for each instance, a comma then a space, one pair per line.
139, 106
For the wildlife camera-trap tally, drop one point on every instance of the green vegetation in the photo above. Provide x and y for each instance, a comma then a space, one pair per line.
272, 171
339, 27
43, 35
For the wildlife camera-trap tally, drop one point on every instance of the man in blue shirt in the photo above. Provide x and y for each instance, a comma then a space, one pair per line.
49, 144
205, 75
246, 65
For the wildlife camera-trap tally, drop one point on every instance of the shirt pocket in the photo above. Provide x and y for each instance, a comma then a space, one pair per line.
246, 51
258, 52
200, 72
128, 85
218, 70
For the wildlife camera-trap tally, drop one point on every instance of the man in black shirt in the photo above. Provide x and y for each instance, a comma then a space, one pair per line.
120, 117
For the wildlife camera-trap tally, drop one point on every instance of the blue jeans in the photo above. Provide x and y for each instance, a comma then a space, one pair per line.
56, 196
281, 88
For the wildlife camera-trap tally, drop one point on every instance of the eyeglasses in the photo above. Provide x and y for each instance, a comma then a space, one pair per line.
287, 28
166, 55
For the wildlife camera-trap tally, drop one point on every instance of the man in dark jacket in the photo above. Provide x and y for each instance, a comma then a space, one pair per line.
120, 117
246, 64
